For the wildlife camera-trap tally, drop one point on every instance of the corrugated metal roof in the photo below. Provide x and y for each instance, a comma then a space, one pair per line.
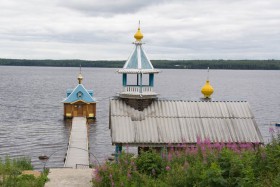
166, 121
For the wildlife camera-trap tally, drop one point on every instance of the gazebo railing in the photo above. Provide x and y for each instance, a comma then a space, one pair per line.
138, 89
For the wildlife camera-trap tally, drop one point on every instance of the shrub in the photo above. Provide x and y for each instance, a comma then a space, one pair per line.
150, 163
10, 174
207, 165
212, 176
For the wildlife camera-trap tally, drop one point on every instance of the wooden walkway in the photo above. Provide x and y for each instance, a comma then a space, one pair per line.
77, 153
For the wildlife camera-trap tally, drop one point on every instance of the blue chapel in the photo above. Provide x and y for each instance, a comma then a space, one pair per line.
79, 102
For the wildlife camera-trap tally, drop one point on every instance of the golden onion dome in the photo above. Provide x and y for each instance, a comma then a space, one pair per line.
207, 89
80, 78
138, 35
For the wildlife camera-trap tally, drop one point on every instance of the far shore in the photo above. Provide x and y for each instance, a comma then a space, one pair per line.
160, 64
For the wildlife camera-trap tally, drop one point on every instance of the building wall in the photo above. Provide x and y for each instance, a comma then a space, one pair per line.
80, 109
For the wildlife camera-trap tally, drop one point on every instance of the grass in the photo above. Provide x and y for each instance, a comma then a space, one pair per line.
11, 174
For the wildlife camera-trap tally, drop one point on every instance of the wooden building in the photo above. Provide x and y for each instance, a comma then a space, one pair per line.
79, 102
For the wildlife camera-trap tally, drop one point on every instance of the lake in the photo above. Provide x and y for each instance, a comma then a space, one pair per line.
31, 112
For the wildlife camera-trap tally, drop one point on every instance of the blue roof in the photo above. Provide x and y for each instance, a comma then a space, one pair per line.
133, 63
80, 94
138, 59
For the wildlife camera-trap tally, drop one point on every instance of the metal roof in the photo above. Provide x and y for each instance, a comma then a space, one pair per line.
79, 94
166, 121
138, 62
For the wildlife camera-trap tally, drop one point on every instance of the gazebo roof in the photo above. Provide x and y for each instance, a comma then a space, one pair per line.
138, 62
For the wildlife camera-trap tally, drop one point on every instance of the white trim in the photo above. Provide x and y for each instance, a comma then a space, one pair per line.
139, 64
82, 101
135, 71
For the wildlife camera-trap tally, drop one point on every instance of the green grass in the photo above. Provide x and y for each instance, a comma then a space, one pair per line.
11, 174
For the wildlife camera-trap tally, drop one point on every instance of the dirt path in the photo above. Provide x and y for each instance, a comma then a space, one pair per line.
69, 177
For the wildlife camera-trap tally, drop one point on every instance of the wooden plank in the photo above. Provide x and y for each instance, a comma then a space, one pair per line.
77, 152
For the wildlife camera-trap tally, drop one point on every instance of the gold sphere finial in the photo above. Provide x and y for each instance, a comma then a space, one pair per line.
207, 90
80, 78
138, 35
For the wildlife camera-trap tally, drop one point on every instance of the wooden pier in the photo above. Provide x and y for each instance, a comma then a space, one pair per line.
77, 153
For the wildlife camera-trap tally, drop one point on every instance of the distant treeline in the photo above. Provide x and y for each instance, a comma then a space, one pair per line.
163, 64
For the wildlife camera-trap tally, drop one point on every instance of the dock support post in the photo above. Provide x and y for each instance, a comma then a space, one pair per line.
118, 151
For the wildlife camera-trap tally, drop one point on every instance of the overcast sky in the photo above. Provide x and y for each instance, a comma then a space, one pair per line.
104, 29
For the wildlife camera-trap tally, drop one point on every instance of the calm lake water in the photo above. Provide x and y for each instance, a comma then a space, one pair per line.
31, 112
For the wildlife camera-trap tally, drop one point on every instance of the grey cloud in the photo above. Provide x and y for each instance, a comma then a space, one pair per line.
108, 7
195, 29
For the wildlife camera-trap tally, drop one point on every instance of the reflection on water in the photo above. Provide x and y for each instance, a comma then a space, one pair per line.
31, 112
